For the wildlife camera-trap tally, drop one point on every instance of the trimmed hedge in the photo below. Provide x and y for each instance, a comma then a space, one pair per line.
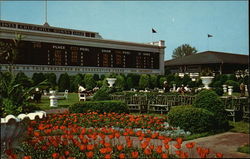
99, 106
209, 100
195, 120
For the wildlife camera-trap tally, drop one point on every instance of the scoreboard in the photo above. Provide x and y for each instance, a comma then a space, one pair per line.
42, 53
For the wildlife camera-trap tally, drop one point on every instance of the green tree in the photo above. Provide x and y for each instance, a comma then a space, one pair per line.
132, 80
38, 78
183, 50
63, 82
144, 81
89, 81
153, 81
51, 78
120, 83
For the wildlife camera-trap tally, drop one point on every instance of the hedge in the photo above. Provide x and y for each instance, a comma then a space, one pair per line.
195, 120
99, 106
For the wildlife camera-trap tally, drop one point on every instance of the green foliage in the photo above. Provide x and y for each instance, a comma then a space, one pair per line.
102, 94
99, 106
183, 50
144, 81
244, 149
63, 82
120, 83
161, 81
209, 100
236, 85
132, 80
153, 81
38, 78
51, 78
78, 79
89, 81
195, 120
23, 80
186, 79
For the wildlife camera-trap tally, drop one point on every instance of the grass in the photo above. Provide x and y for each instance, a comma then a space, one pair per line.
244, 149
45, 102
241, 127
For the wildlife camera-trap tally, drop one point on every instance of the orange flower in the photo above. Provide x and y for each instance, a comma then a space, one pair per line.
179, 140
90, 154
166, 146
55, 155
103, 150
36, 134
106, 144
219, 155
82, 147
178, 152
141, 138
159, 149
117, 135
147, 151
164, 155
107, 156
135, 154
151, 147
90, 147
27, 157
122, 156
119, 147
144, 144
178, 146
190, 145
109, 149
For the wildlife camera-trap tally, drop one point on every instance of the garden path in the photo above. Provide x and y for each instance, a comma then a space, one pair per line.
226, 143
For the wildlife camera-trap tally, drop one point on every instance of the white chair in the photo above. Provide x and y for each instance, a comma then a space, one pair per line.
82, 96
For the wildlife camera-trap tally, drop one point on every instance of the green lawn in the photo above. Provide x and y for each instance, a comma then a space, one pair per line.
241, 127
45, 102
244, 149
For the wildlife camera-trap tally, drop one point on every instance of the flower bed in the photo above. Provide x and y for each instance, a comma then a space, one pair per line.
108, 135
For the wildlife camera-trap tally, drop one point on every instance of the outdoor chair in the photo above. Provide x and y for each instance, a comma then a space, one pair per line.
82, 96
137, 103
246, 109
232, 106
159, 105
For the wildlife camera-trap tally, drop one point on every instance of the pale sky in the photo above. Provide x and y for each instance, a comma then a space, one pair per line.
176, 22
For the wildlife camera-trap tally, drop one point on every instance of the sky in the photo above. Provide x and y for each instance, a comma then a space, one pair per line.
176, 22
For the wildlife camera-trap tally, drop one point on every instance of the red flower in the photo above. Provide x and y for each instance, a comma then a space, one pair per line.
144, 144
82, 147
122, 156
147, 151
190, 145
90, 154
159, 149
36, 134
219, 155
179, 140
119, 147
164, 155
66, 153
135, 154
27, 157
55, 155
90, 147
178, 146
107, 156
103, 150
166, 146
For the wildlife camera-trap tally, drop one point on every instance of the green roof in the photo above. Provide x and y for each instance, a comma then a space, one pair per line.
209, 57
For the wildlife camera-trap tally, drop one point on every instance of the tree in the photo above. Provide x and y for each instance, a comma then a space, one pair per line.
63, 82
144, 81
183, 50
89, 81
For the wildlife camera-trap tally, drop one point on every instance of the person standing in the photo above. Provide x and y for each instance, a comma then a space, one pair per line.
242, 89
165, 86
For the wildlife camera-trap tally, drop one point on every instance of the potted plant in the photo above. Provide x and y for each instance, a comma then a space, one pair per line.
206, 77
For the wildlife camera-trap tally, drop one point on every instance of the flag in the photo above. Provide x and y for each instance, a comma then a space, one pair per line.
209, 36
153, 31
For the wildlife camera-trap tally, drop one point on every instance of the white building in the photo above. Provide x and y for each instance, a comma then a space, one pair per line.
51, 49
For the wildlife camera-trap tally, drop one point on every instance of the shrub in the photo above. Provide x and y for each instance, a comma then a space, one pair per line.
133, 80
51, 78
37, 78
102, 94
161, 81
153, 81
99, 106
120, 83
195, 120
209, 100
236, 85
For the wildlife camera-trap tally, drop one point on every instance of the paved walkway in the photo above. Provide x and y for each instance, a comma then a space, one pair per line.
226, 143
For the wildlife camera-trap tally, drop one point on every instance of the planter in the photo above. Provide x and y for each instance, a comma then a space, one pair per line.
230, 90
224, 88
12, 128
206, 80
111, 81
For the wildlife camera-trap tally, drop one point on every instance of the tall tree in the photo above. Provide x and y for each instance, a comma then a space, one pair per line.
183, 50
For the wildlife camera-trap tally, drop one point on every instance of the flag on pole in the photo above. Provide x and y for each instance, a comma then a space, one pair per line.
209, 36
153, 31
